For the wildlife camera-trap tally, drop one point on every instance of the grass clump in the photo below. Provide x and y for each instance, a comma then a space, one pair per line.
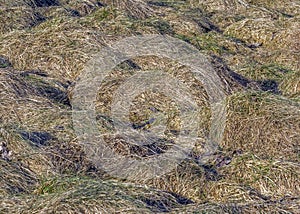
16, 179
291, 85
18, 19
86, 195
272, 126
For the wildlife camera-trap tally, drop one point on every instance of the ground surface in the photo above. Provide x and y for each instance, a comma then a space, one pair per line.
254, 47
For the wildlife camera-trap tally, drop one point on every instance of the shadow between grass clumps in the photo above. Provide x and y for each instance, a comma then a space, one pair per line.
37, 81
4, 63
165, 204
269, 85
45, 89
37, 139
226, 74
43, 3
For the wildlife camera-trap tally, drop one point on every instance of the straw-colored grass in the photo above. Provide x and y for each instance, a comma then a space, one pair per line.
80, 194
272, 127
253, 46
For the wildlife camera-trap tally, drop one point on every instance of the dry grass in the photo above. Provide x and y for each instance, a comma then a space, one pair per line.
16, 178
18, 18
291, 85
280, 39
283, 206
253, 46
135, 8
62, 45
80, 194
248, 179
272, 127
